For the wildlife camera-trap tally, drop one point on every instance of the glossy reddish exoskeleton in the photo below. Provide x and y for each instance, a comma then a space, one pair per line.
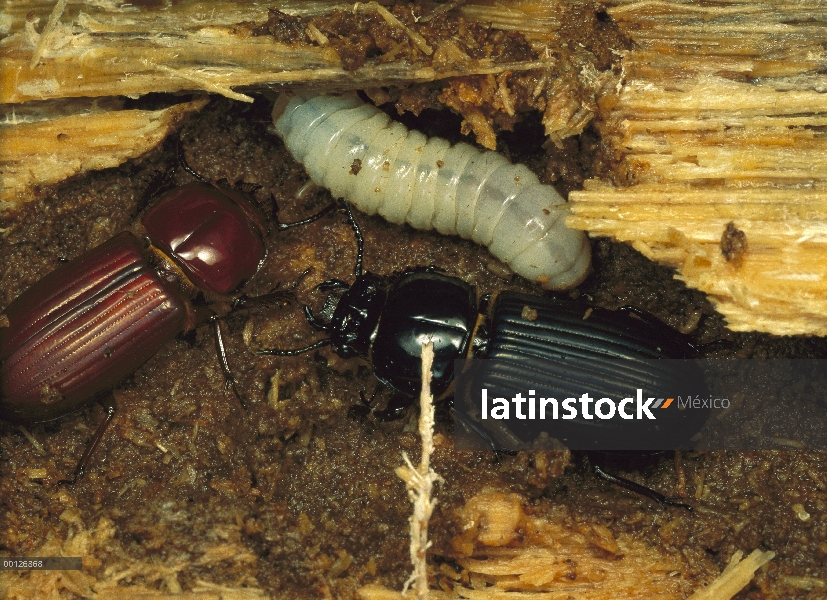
85, 326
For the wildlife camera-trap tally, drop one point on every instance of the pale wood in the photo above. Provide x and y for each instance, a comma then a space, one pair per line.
720, 119
113, 48
44, 145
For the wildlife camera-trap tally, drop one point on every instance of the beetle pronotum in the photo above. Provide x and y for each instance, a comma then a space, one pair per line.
457, 190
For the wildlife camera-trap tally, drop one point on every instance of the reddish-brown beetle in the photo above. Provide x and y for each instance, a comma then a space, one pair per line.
78, 331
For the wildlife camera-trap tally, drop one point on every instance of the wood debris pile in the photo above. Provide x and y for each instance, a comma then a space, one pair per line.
121, 572
505, 552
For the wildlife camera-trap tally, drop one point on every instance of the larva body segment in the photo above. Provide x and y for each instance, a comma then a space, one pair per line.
360, 154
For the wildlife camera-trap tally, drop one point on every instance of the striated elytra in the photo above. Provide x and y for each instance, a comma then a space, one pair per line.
83, 327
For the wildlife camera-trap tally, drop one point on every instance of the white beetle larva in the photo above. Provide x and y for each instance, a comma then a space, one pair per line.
360, 154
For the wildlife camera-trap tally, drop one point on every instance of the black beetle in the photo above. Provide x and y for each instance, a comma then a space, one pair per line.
386, 319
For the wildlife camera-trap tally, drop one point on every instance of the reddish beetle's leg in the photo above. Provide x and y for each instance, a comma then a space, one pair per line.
229, 378
93, 443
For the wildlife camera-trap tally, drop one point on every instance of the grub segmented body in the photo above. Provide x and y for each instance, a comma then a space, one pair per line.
360, 154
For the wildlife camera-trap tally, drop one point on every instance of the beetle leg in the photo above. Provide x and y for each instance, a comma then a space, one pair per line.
638, 489
332, 285
712, 346
361, 411
282, 226
394, 409
315, 321
280, 298
229, 378
245, 187
272, 298
161, 181
469, 423
697, 349
653, 321
93, 443
644, 316
182, 160
296, 351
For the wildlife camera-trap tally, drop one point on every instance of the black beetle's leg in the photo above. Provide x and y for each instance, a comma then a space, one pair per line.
652, 320
712, 346
229, 379
644, 316
467, 422
316, 321
271, 298
360, 241
282, 226
638, 489
295, 352
369, 403
332, 285
361, 411
394, 409
93, 443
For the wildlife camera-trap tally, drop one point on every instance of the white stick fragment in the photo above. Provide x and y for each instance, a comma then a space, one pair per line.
420, 482
54, 19
735, 577
38, 447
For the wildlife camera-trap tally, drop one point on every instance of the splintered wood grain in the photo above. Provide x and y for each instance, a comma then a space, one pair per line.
56, 55
504, 553
44, 144
74, 48
720, 118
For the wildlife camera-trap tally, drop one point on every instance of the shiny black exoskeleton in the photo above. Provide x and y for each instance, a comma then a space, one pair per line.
387, 319
414, 307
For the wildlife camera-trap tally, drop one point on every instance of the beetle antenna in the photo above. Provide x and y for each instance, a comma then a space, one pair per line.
331, 284
702, 349
275, 296
360, 241
295, 352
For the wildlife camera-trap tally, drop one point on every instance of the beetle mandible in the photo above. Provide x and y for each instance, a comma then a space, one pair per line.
386, 320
